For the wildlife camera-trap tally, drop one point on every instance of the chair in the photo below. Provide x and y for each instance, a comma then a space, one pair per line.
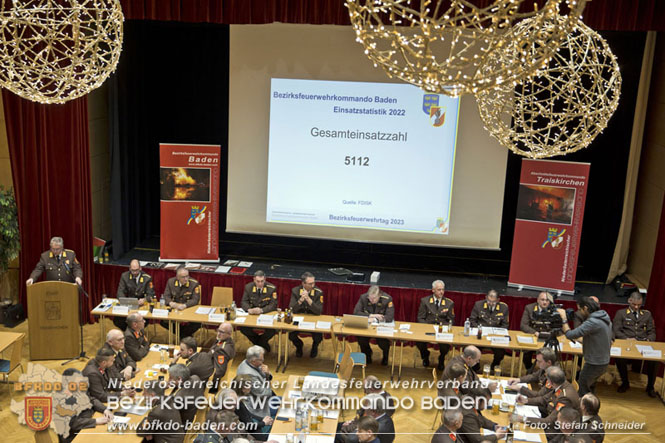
221, 296
438, 411
575, 385
358, 358
8, 366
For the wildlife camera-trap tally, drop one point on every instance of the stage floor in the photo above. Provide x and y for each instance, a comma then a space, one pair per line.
459, 282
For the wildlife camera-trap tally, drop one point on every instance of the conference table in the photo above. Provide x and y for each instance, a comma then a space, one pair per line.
401, 334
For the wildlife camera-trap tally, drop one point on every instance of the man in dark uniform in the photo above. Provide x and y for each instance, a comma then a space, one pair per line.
435, 309
452, 421
222, 352
136, 343
258, 298
545, 357
635, 323
591, 421
474, 421
163, 424
491, 313
100, 384
533, 323
182, 292
377, 305
306, 299
59, 264
124, 366
136, 284
199, 364
564, 395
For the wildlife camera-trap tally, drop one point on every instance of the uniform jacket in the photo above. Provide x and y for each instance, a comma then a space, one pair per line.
530, 324
136, 345
564, 395
482, 315
98, 382
384, 306
189, 294
626, 325
264, 298
593, 427
122, 360
304, 308
443, 435
221, 354
428, 312
472, 386
200, 364
137, 287
472, 422
153, 425
66, 268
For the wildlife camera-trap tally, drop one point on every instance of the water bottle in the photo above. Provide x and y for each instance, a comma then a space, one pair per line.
299, 419
467, 327
233, 311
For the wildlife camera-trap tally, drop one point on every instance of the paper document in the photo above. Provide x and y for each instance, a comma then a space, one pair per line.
158, 348
240, 320
223, 269
500, 331
643, 348
527, 411
103, 307
231, 262
615, 351
511, 399
160, 313
204, 310
323, 325
473, 332
527, 436
121, 420
383, 330
575, 345
245, 264
143, 312
404, 327
241, 312
652, 354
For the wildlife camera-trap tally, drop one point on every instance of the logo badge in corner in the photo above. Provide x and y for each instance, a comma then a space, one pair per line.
430, 100
38, 412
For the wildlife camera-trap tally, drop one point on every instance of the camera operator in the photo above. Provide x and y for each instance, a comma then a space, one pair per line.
596, 332
541, 319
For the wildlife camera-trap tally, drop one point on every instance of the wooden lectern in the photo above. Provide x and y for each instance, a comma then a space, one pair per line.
53, 320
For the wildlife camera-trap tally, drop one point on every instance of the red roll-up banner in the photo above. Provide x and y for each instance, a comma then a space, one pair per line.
189, 202
548, 225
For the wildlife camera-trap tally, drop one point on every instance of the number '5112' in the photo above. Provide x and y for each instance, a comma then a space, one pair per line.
356, 161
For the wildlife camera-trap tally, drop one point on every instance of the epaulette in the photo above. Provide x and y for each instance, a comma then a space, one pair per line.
385, 296
317, 290
270, 285
502, 303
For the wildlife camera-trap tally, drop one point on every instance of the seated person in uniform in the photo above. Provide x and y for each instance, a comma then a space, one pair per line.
124, 366
100, 384
371, 385
635, 323
198, 363
490, 313
222, 352
436, 309
447, 432
136, 343
376, 408
258, 298
182, 292
534, 322
163, 424
134, 284
545, 357
368, 427
376, 305
306, 299
591, 421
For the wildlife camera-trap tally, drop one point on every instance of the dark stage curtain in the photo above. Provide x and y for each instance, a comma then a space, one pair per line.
606, 15
656, 292
50, 159
339, 298
171, 86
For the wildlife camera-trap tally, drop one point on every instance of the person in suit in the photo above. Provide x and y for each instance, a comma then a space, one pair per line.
58, 263
186, 389
100, 385
182, 292
84, 419
375, 408
436, 309
163, 424
136, 343
306, 299
591, 421
258, 298
533, 322
491, 313
222, 352
635, 323
376, 305
474, 420
198, 363
124, 366
447, 432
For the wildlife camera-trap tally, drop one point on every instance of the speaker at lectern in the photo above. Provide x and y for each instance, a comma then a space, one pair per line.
53, 320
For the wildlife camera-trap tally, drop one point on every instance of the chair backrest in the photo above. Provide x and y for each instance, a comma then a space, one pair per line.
434, 377
334, 333
221, 296
346, 365
17, 351
576, 385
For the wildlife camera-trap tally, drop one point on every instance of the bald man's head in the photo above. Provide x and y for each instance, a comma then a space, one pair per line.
116, 339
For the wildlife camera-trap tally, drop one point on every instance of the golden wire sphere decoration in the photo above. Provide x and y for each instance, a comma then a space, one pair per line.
564, 107
442, 45
53, 51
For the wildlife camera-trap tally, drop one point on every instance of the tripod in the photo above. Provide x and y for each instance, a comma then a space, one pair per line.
81, 355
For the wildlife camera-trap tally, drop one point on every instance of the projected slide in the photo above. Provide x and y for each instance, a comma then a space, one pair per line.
361, 155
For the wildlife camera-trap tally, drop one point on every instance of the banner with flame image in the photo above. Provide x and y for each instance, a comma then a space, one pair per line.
189, 193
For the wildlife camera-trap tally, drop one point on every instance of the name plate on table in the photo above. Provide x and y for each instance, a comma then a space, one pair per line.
500, 340
444, 336
525, 340
307, 325
385, 330
143, 312
160, 312
652, 354
265, 320
123, 310
217, 317
615, 352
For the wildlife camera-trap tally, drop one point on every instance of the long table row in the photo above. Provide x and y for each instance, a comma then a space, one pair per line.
399, 334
